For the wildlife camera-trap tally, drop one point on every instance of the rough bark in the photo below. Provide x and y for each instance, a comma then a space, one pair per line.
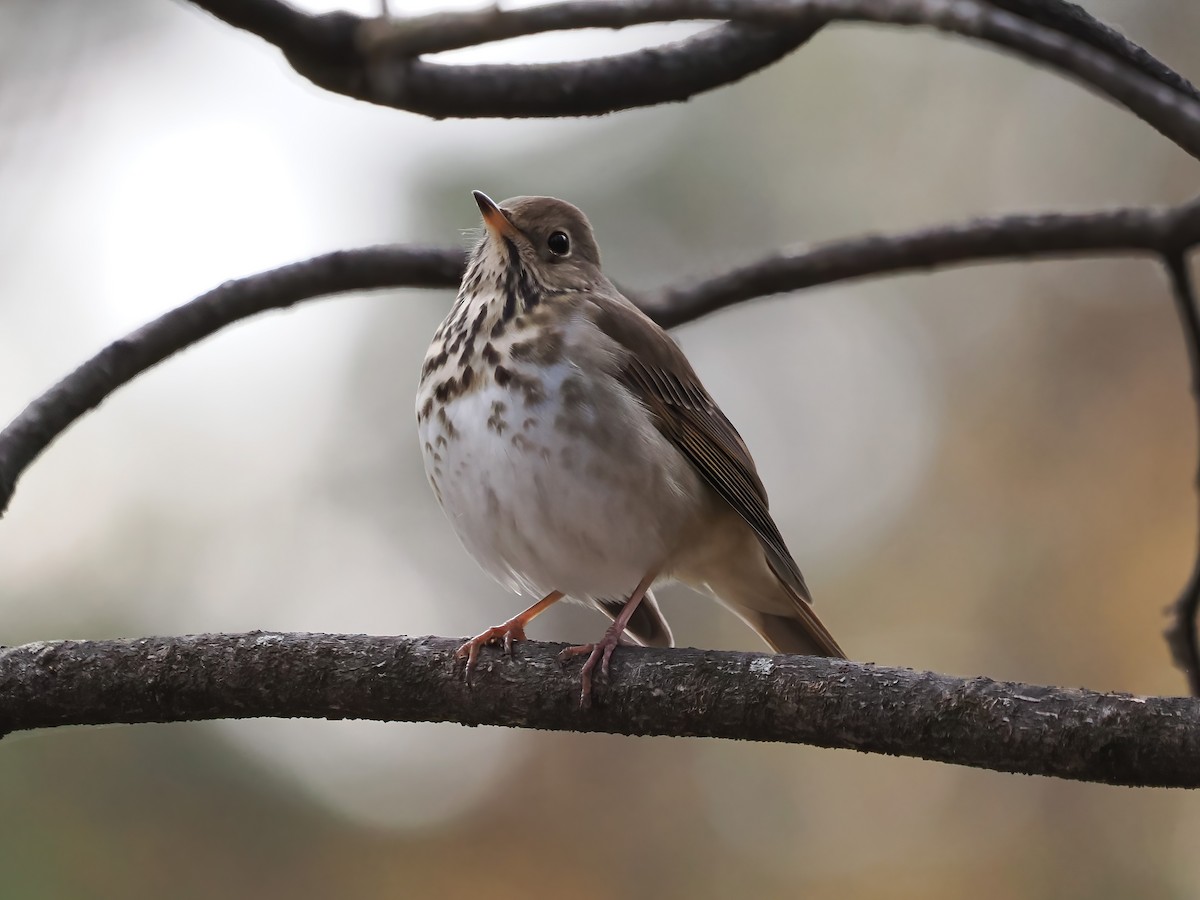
1008, 727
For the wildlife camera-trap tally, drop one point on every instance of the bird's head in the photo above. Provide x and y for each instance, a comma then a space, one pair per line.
549, 240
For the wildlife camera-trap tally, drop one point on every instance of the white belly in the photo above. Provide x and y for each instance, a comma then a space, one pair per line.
541, 509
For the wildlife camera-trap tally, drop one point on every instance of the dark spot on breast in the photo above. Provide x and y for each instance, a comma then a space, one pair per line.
498, 328
496, 421
545, 315
572, 393
444, 421
493, 502
490, 355
529, 385
434, 363
523, 443
467, 376
579, 414
440, 441
534, 394
528, 423
545, 349
426, 410
477, 323
470, 283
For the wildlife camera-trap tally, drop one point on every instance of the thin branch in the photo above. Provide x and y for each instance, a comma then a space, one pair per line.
1007, 727
49, 415
1025, 236
1074, 20
376, 60
1182, 635
1173, 114
1021, 236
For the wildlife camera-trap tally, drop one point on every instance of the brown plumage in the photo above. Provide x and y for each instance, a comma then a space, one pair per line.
661, 376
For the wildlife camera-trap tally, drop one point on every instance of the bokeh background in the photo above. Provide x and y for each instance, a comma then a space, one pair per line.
982, 471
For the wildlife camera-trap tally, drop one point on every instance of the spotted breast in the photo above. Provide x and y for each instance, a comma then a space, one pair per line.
544, 465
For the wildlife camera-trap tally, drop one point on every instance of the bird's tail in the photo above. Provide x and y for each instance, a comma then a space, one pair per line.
781, 612
804, 634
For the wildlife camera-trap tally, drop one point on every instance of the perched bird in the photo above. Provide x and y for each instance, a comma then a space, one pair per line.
577, 454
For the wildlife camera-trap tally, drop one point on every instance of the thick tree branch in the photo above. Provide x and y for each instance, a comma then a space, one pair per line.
377, 59
338, 52
1067, 733
1022, 236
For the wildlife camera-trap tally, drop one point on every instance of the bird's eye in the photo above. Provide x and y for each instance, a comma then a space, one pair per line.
559, 243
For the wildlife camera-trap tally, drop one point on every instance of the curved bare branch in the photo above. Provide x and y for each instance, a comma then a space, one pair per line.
346, 54
33, 430
1072, 19
1036, 730
1025, 236
377, 60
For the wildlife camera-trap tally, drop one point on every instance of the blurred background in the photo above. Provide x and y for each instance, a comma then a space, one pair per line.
983, 471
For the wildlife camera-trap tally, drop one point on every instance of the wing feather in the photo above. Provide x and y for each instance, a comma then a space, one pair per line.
661, 377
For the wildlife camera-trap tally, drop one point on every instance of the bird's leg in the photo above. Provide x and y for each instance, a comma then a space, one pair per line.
506, 632
603, 649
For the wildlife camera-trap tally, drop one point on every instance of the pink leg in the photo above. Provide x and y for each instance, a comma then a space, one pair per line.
602, 651
512, 630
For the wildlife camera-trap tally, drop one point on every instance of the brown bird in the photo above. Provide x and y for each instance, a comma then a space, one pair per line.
577, 454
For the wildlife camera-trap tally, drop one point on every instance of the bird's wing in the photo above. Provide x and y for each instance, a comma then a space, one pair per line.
658, 373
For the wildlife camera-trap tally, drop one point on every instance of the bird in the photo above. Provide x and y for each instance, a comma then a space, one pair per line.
577, 454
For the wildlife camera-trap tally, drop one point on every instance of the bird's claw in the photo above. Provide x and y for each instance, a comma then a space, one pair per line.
504, 635
601, 651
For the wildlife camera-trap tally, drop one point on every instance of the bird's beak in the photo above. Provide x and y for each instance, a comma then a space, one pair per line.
494, 217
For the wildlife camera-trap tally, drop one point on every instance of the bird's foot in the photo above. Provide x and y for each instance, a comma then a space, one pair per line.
600, 652
503, 634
